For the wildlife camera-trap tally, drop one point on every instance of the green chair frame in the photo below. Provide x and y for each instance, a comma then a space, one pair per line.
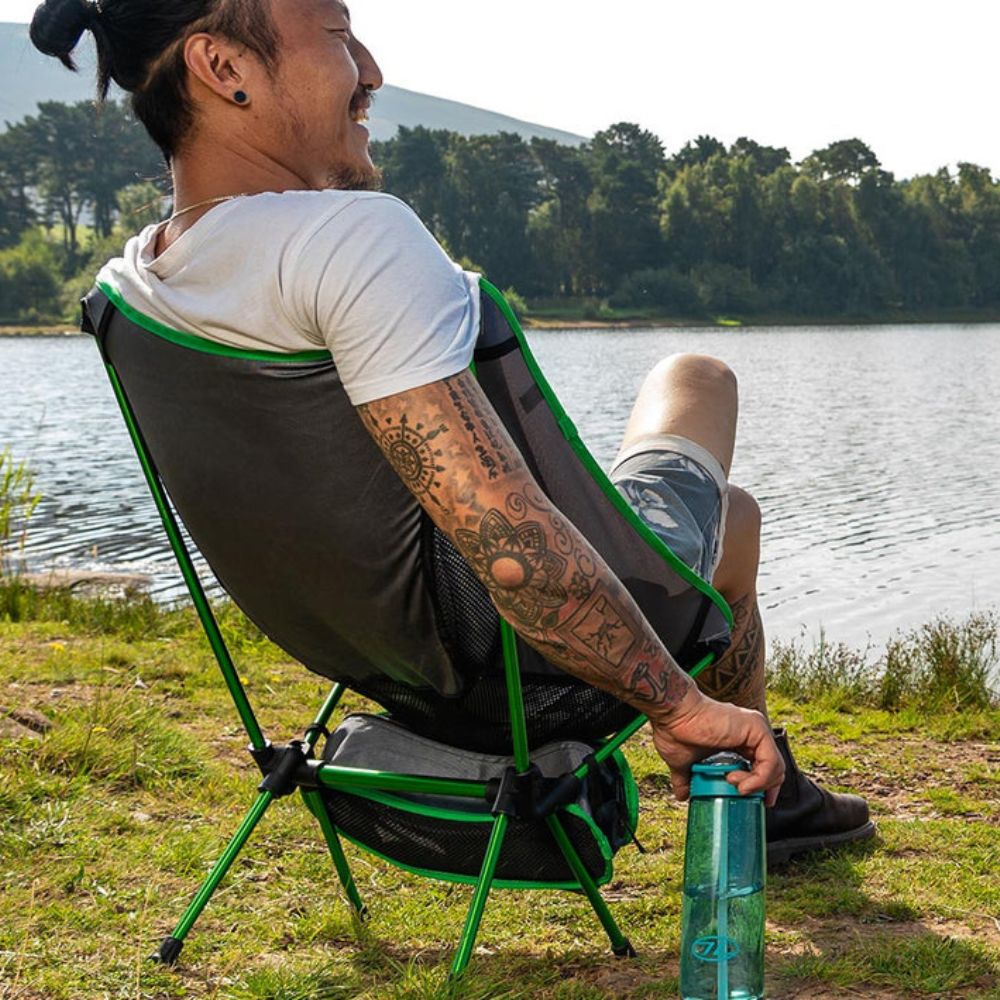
292, 767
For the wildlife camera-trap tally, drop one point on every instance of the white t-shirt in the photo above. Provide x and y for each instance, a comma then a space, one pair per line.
354, 272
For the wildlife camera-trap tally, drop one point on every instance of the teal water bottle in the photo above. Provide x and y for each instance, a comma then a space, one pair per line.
722, 921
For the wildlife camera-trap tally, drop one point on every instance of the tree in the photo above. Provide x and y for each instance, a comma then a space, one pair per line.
559, 228
16, 210
136, 160
846, 160
625, 162
81, 156
30, 279
692, 153
414, 167
493, 186
763, 159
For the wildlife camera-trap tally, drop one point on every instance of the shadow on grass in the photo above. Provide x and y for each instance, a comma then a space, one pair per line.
841, 938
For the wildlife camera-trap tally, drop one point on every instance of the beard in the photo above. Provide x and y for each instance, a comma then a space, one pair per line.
349, 177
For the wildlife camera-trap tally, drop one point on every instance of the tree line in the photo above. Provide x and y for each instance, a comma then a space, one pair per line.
616, 223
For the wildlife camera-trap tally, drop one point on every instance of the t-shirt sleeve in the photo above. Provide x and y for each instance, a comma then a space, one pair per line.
375, 286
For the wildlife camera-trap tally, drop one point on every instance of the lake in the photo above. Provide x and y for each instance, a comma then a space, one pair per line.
874, 453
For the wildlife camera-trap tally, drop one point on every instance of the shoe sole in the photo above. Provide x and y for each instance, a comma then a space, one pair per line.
782, 851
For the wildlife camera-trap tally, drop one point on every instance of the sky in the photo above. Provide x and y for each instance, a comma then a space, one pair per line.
915, 80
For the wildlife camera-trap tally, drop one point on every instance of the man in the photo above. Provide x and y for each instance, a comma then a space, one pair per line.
258, 106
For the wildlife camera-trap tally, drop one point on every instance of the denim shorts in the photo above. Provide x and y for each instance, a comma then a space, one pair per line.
679, 490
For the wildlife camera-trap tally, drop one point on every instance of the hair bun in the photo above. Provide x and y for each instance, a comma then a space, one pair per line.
57, 26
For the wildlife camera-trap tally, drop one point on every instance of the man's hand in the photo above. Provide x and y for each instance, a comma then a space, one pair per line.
699, 727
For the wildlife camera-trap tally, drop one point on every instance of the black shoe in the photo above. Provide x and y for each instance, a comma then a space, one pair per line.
809, 818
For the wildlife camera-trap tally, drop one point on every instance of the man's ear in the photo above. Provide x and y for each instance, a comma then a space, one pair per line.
217, 64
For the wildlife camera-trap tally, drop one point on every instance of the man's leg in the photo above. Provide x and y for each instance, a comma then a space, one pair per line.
738, 676
695, 397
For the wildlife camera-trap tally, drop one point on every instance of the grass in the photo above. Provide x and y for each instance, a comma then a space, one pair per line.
109, 820
943, 665
18, 501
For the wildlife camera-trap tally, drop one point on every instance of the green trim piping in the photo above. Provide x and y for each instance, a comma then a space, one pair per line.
195, 343
569, 431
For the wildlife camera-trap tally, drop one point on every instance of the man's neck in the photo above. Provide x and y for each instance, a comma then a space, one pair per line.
202, 175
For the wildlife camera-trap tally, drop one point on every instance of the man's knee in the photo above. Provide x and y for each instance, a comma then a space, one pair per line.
736, 576
744, 517
696, 371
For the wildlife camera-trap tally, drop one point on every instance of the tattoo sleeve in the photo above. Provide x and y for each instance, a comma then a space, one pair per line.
450, 449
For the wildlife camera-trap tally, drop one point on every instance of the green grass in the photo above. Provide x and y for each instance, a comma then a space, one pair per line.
944, 665
109, 821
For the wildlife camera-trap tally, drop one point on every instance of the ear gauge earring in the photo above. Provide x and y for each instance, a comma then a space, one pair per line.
240, 97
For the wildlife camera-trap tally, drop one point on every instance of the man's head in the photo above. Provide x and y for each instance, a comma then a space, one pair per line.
284, 80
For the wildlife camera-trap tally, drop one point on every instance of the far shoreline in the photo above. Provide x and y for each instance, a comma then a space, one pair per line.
576, 319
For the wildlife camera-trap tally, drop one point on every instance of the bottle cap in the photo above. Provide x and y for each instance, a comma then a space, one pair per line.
708, 777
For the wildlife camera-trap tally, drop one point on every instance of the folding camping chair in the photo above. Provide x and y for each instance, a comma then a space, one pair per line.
530, 789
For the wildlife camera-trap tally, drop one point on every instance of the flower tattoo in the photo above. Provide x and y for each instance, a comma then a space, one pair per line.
499, 550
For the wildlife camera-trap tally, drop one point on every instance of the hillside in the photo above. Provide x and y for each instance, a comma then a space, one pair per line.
27, 77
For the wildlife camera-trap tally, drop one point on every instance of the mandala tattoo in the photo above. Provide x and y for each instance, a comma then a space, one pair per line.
411, 454
499, 549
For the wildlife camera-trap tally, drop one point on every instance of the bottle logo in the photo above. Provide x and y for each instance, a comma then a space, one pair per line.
715, 949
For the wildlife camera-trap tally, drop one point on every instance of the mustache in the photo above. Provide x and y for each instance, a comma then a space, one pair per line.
364, 97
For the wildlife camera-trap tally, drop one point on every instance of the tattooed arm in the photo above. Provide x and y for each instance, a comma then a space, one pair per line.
451, 450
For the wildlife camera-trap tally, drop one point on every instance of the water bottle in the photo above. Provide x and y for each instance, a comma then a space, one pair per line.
722, 920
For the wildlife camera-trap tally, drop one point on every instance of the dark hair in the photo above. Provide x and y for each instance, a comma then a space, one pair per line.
140, 46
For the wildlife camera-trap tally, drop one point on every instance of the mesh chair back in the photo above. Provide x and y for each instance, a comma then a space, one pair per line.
316, 539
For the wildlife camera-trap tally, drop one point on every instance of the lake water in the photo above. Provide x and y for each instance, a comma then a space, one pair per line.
874, 453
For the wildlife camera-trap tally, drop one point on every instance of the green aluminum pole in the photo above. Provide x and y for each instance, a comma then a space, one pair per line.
170, 948
515, 697
314, 801
360, 779
475, 914
229, 673
619, 942
318, 724
318, 808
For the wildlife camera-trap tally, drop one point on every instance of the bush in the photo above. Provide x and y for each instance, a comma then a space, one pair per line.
661, 289
516, 301
943, 664
30, 280
722, 288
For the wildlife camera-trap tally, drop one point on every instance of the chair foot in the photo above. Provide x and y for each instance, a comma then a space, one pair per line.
167, 953
624, 951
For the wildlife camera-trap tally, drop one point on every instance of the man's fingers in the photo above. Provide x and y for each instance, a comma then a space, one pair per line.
681, 783
767, 774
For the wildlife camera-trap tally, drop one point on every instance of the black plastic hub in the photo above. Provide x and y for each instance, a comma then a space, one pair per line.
530, 795
285, 768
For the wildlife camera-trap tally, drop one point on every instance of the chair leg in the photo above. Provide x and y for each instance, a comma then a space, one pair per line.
171, 945
318, 808
620, 944
475, 914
